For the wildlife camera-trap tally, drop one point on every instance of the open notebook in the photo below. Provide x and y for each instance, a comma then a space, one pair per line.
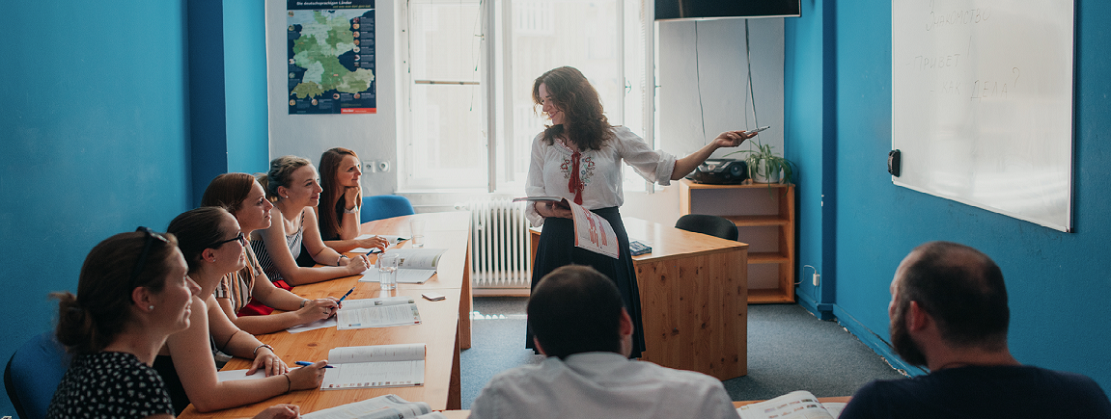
375, 366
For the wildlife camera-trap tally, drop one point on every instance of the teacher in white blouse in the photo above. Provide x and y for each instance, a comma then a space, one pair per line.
578, 157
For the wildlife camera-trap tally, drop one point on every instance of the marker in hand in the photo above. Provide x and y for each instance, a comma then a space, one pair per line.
308, 364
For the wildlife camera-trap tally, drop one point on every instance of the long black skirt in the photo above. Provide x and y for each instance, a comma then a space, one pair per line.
557, 248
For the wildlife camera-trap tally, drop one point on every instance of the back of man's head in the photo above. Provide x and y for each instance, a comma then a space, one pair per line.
575, 309
962, 289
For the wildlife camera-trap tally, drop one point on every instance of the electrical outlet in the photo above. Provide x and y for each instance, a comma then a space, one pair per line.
817, 279
383, 166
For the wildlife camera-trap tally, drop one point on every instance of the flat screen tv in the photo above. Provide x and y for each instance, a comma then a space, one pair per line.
721, 9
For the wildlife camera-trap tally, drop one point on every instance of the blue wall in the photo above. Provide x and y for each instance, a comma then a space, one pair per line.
94, 140
244, 84
1057, 282
808, 95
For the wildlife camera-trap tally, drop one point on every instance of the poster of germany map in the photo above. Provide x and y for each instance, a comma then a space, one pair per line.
331, 57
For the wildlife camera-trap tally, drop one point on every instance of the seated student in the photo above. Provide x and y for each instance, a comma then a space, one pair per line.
586, 334
341, 197
133, 292
949, 313
243, 197
292, 185
210, 241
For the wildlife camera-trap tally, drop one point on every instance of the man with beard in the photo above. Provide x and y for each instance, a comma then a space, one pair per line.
949, 313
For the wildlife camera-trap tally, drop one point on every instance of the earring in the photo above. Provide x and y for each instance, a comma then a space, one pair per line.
151, 308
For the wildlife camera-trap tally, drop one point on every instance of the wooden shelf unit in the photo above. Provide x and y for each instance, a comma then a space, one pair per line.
781, 199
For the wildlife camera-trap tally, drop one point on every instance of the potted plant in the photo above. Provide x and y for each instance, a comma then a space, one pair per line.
764, 165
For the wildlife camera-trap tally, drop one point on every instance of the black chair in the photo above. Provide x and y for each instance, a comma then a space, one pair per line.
33, 373
708, 224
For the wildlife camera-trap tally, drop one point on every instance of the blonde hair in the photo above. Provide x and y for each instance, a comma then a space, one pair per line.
281, 171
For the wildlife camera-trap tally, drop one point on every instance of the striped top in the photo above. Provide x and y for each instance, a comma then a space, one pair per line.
238, 286
292, 241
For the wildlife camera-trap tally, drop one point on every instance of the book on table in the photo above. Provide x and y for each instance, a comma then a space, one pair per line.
389, 406
377, 312
794, 405
375, 366
414, 266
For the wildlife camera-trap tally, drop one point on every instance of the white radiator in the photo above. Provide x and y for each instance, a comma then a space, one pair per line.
499, 244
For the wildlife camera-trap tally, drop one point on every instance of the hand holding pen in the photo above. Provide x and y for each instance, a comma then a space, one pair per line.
318, 309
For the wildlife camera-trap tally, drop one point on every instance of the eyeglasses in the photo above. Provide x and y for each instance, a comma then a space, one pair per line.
151, 237
240, 237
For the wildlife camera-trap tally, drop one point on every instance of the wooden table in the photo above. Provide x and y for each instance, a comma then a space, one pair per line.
444, 325
693, 297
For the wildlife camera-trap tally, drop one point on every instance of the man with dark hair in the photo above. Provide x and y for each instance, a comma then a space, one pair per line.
949, 313
581, 326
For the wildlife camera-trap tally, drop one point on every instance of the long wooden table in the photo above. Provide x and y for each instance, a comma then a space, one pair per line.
693, 298
444, 328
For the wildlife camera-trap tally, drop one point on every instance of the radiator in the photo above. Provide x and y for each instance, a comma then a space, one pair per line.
499, 244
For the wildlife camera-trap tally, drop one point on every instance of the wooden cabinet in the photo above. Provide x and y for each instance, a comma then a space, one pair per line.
765, 218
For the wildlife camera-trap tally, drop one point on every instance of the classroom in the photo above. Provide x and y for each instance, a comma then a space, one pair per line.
118, 115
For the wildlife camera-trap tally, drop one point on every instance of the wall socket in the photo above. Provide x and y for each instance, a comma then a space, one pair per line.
817, 279
375, 166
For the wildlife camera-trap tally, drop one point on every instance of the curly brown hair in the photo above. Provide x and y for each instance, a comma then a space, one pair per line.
584, 122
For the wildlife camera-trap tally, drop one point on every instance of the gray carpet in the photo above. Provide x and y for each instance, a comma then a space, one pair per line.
788, 350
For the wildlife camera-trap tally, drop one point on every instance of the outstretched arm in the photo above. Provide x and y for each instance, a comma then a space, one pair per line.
687, 164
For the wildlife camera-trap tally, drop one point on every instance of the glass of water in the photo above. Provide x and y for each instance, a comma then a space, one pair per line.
416, 227
387, 271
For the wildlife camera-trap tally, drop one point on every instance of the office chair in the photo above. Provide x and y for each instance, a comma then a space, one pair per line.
708, 224
384, 206
33, 373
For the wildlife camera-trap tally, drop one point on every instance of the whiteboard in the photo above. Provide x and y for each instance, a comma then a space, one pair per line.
982, 103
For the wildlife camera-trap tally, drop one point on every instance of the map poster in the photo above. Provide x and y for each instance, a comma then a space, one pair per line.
331, 57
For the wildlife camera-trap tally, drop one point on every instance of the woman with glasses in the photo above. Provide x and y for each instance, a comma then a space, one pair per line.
293, 187
579, 158
243, 197
212, 245
132, 294
340, 199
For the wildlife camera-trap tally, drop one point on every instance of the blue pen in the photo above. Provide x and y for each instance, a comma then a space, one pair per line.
309, 364
345, 295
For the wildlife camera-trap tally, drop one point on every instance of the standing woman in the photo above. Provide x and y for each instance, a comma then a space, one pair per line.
133, 292
247, 296
292, 185
212, 245
340, 201
579, 158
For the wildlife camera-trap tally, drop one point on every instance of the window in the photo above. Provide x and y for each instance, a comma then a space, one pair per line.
471, 65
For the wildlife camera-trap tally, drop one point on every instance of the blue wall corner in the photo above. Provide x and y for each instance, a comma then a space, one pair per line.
95, 143
248, 144
207, 110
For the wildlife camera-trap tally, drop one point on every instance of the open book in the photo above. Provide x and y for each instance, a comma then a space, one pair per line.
382, 407
377, 312
794, 405
370, 312
414, 266
375, 366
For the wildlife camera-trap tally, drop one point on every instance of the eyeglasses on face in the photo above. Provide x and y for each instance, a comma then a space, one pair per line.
240, 237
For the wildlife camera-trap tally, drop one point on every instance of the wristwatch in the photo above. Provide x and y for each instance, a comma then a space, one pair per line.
353, 210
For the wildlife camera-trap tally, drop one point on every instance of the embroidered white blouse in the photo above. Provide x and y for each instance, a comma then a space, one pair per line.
599, 170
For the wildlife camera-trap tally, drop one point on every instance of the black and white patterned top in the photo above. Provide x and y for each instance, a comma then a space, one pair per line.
109, 385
